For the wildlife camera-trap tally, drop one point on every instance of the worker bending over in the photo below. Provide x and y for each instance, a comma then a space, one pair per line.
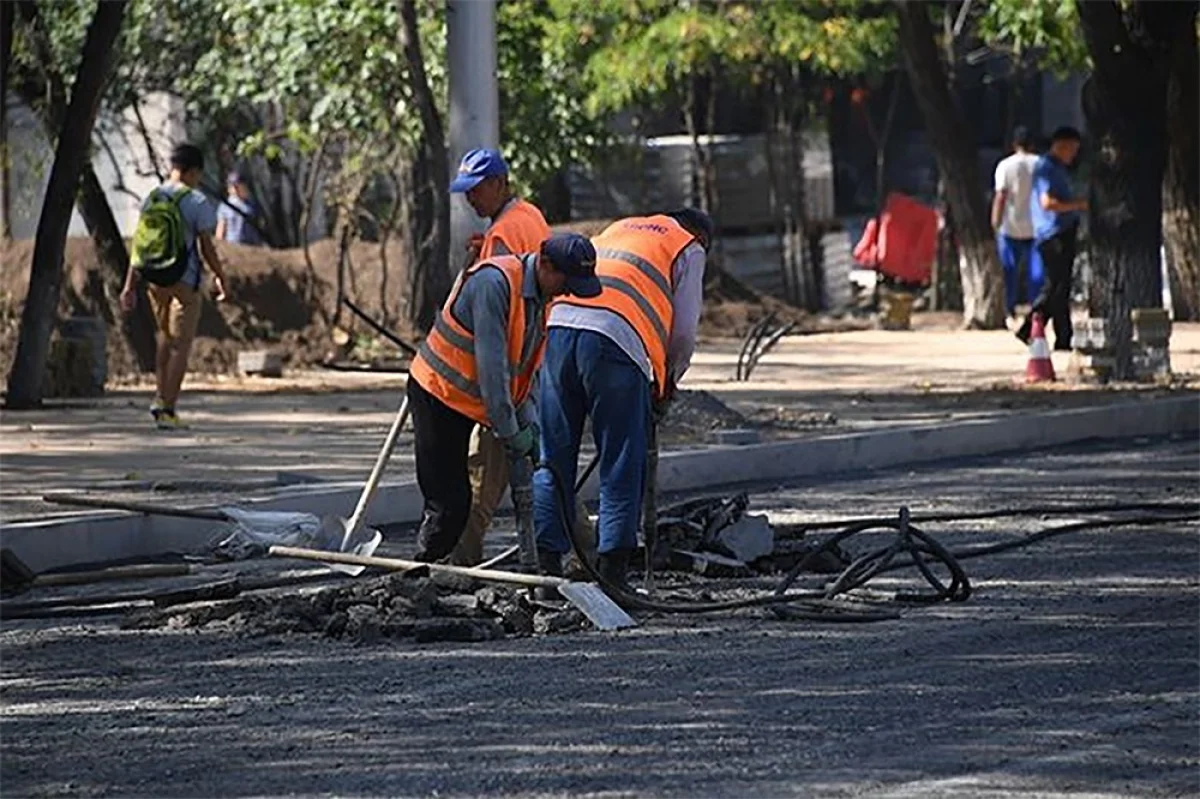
613, 358
477, 366
516, 226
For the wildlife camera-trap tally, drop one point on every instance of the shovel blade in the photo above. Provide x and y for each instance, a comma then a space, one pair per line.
596, 605
364, 541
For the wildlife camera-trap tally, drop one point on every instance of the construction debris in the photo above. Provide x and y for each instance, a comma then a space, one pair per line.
715, 537
368, 611
747, 539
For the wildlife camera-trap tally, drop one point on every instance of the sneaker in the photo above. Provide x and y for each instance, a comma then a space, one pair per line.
156, 408
167, 419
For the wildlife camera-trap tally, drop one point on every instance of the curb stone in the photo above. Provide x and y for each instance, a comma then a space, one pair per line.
96, 537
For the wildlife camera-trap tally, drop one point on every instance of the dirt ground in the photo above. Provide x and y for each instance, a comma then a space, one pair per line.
1071, 670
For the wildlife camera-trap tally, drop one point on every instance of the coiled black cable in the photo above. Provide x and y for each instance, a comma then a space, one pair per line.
922, 551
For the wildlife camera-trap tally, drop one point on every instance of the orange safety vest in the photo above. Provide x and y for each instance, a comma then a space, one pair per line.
634, 257
520, 226
445, 363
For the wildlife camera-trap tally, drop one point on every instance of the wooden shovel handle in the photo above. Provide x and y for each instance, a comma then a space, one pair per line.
396, 564
135, 507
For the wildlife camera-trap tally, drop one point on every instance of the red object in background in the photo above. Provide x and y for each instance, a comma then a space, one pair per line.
901, 242
857, 96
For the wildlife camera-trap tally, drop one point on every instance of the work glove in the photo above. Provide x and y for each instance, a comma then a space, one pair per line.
523, 445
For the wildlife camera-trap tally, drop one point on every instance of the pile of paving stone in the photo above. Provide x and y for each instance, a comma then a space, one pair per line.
369, 610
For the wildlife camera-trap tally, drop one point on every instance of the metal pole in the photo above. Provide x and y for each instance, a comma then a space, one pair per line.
474, 102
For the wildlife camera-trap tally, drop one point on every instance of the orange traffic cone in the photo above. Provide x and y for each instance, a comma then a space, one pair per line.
1040, 368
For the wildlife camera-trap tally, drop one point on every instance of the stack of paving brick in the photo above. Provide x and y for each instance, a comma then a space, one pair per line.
1092, 360
1151, 344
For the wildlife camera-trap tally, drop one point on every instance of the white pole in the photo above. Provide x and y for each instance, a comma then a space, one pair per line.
474, 103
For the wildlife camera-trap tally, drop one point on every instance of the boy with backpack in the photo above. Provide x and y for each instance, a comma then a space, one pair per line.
173, 233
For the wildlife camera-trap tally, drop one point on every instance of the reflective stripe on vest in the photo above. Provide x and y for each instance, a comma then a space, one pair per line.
445, 363
634, 259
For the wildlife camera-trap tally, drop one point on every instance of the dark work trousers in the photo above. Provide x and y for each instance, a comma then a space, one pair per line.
1054, 301
442, 436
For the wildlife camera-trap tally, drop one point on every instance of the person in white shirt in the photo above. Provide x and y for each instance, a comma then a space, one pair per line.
1013, 221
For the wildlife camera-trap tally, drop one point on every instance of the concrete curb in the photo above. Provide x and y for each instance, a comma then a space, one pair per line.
104, 536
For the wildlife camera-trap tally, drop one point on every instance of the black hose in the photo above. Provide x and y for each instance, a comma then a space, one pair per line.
1021, 510
814, 609
921, 549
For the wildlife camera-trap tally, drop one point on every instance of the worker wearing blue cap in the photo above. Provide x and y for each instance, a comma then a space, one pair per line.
515, 227
477, 366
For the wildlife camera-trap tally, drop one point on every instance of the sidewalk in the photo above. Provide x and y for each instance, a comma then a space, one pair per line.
329, 425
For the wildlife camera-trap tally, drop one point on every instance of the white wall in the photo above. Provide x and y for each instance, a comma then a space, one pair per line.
126, 172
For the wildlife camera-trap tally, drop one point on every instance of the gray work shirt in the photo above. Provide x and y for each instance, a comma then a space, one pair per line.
687, 302
482, 308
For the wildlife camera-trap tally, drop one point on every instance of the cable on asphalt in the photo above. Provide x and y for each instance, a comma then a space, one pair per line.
923, 551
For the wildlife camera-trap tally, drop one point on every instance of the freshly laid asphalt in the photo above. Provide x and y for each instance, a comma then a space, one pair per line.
1073, 669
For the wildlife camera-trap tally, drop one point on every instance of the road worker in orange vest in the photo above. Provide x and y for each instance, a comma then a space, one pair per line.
617, 358
477, 367
516, 226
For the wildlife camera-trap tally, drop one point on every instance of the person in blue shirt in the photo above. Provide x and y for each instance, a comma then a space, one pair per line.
235, 217
1056, 213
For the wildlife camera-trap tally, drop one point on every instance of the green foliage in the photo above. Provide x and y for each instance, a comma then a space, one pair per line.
1042, 33
641, 49
322, 69
543, 119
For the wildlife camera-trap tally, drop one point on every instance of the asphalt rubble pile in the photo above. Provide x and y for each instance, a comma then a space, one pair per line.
369, 610
713, 537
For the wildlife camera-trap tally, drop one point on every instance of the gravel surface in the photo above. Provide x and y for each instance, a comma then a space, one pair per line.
1072, 670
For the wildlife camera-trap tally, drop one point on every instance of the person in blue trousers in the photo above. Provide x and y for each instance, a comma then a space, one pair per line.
1012, 219
616, 359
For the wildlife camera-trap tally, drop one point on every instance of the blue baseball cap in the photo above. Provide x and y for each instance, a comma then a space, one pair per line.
575, 257
477, 165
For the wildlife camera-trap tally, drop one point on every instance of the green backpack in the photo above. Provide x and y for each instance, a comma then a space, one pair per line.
160, 250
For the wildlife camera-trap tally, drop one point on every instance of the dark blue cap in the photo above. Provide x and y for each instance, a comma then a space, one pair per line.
575, 257
477, 165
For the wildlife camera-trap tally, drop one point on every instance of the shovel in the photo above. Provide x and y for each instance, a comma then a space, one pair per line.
347, 535
587, 597
335, 534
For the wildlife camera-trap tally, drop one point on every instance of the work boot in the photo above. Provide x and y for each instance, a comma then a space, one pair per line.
613, 568
549, 564
431, 543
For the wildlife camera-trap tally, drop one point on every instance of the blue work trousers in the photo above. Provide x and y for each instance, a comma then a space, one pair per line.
1012, 253
586, 374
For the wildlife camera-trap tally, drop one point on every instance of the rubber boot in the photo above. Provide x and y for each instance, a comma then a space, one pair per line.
427, 535
613, 568
549, 564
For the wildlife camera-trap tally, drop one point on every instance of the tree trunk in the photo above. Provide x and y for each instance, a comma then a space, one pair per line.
7, 11
1181, 187
70, 155
49, 102
137, 327
428, 228
699, 194
1125, 102
979, 264
776, 180
795, 191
